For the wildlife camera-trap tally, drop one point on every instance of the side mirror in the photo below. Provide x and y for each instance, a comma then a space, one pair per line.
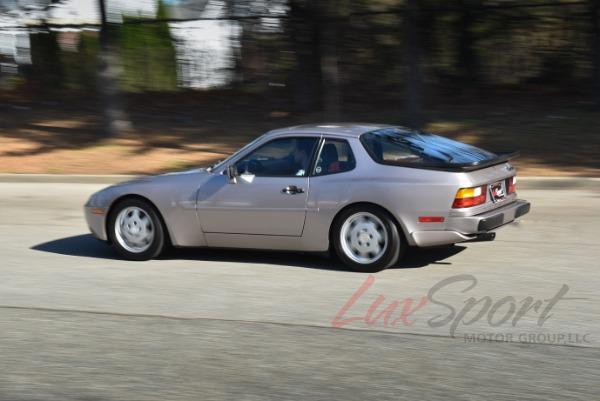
232, 173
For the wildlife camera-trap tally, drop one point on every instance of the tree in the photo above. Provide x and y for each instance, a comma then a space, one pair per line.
414, 77
46, 70
330, 74
147, 54
595, 20
304, 33
115, 120
467, 58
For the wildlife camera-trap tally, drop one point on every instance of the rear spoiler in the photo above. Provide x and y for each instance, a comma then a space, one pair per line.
502, 158
462, 167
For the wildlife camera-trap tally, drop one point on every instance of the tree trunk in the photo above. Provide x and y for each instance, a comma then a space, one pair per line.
414, 77
329, 59
306, 79
595, 19
467, 60
115, 121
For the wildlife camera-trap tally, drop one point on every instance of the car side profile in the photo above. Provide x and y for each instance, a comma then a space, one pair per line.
365, 192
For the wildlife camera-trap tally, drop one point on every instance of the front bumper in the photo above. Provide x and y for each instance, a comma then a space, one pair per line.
470, 228
96, 221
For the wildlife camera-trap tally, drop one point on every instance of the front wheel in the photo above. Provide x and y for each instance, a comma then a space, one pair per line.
366, 239
135, 230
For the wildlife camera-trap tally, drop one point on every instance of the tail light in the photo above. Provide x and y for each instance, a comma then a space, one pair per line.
468, 197
511, 185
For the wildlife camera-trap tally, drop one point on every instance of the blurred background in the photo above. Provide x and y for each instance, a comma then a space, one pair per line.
115, 86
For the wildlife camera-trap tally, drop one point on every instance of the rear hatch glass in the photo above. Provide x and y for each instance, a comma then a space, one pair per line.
404, 147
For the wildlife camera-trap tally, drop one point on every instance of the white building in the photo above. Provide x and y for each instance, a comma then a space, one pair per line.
205, 49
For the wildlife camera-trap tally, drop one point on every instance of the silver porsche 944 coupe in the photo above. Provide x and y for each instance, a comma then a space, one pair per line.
365, 192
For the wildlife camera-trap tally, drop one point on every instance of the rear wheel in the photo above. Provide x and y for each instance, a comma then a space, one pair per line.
136, 230
366, 239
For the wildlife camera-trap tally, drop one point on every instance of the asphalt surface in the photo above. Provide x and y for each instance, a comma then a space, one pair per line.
77, 323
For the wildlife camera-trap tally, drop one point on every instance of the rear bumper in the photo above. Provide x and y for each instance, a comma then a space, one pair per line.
471, 228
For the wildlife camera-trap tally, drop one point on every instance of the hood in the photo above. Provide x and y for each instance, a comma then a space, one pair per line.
145, 186
162, 177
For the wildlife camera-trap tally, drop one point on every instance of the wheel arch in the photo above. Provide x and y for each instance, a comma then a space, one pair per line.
124, 197
401, 229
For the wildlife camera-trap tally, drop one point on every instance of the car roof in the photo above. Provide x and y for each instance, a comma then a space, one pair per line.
353, 130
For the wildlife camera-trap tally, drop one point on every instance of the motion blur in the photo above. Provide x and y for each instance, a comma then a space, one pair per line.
97, 92
189, 81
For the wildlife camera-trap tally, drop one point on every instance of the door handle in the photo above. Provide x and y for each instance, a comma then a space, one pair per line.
292, 190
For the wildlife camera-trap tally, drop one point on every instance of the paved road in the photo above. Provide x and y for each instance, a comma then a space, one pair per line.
79, 324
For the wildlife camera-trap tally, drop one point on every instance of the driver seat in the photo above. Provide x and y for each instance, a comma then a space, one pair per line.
330, 159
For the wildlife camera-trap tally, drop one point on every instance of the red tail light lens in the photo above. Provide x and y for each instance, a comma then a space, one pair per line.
468, 197
511, 185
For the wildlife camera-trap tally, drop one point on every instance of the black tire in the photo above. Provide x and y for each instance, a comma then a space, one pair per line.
395, 245
158, 243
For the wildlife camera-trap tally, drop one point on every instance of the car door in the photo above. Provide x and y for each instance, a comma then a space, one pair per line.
269, 195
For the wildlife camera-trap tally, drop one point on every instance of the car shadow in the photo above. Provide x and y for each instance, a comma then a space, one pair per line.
423, 257
79, 245
87, 246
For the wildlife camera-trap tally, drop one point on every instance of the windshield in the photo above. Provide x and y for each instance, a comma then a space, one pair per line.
221, 162
402, 146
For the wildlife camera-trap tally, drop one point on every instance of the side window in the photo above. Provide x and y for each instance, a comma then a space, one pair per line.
336, 157
285, 157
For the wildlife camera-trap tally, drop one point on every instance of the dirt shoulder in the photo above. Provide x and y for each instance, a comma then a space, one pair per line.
175, 132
